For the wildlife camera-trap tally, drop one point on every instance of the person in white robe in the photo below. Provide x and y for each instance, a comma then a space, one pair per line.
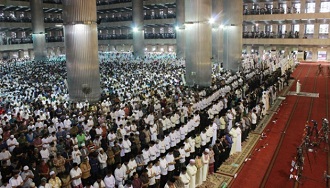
230, 118
236, 134
185, 178
192, 171
205, 161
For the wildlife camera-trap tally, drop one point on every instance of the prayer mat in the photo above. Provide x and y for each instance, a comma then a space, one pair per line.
304, 94
216, 181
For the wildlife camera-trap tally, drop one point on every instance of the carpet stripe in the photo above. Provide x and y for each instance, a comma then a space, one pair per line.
269, 169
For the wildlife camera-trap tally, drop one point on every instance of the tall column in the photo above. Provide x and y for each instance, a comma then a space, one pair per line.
20, 54
317, 6
316, 30
179, 29
314, 54
248, 49
232, 42
198, 33
261, 50
328, 54
138, 26
275, 30
217, 31
38, 30
81, 45
301, 30
302, 6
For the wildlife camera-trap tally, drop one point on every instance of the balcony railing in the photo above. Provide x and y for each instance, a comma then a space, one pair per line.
28, 40
14, 19
159, 36
53, 20
163, 16
263, 34
115, 36
130, 36
262, 11
109, 2
117, 19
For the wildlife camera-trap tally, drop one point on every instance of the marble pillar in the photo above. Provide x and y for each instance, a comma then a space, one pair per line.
198, 32
179, 29
232, 41
217, 31
81, 44
248, 49
138, 28
38, 30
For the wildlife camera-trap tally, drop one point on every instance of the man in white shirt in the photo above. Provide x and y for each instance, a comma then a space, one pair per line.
44, 153
185, 178
163, 164
157, 171
171, 162
109, 180
75, 174
146, 155
76, 155
99, 183
152, 151
12, 143
119, 175
102, 158
132, 165
5, 156
127, 147
151, 174
16, 180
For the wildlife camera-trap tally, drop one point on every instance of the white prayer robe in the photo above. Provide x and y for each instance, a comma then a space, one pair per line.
192, 171
205, 161
185, 178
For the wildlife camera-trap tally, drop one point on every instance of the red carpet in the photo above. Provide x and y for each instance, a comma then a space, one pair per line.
269, 168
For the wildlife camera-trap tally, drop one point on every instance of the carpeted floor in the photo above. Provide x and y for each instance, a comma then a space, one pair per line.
271, 159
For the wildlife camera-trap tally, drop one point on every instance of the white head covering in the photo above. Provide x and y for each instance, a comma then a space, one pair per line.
207, 150
25, 168
51, 173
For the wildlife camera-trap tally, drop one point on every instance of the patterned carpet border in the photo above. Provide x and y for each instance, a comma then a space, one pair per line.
216, 181
232, 165
235, 162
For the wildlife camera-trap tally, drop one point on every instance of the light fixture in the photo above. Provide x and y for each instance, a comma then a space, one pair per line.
211, 20
220, 26
177, 27
135, 29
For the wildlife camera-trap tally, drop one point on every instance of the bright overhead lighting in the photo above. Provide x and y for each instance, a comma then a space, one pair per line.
211, 20
135, 29
58, 25
177, 28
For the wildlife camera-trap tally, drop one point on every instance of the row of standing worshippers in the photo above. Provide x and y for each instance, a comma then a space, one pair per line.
43, 147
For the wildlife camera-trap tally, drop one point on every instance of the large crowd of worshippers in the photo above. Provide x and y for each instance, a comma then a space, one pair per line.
148, 130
